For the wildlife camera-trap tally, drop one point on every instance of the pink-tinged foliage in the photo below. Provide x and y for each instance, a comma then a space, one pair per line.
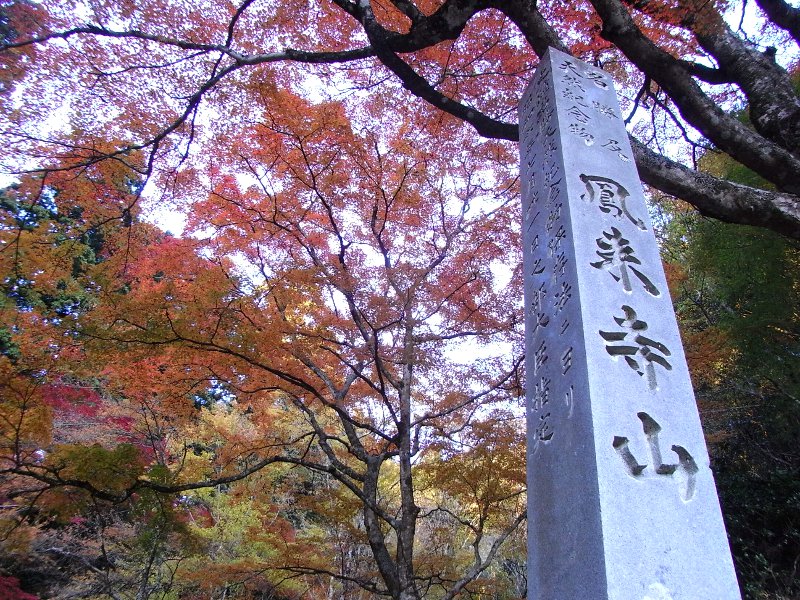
82, 412
75, 402
10, 590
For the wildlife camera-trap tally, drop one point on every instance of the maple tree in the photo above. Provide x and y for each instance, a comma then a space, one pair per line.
330, 310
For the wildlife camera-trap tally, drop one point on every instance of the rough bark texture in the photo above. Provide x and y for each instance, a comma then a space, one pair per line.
783, 15
771, 150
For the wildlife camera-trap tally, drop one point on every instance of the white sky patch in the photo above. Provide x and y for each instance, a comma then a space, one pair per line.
501, 274
468, 351
313, 88
166, 218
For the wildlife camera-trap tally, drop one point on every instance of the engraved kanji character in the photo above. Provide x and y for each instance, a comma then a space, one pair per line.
617, 258
554, 245
550, 148
686, 464
554, 216
613, 146
530, 142
560, 266
542, 72
562, 296
604, 110
538, 267
553, 192
532, 222
539, 357
566, 360
534, 182
577, 114
552, 176
569, 399
640, 352
541, 394
537, 299
611, 197
582, 132
543, 432
574, 81
569, 66
573, 94
526, 126
564, 326
597, 79
530, 208
543, 117
540, 321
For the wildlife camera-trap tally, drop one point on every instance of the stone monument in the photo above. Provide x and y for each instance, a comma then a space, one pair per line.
621, 499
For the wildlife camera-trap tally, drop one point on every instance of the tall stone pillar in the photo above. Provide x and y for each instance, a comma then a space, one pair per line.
621, 499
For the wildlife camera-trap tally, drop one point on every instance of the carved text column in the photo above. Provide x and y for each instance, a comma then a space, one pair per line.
621, 499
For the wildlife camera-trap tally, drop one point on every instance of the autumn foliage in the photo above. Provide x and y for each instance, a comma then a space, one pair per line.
314, 390
318, 318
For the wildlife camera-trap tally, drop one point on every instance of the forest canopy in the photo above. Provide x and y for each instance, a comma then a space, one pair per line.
316, 390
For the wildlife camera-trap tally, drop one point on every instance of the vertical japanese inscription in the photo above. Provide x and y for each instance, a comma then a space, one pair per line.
549, 261
621, 233
571, 101
583, 114
608, 394
539, 173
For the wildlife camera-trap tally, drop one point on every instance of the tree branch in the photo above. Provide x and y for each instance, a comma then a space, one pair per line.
772, 101
784, 15
719, 198
726, 132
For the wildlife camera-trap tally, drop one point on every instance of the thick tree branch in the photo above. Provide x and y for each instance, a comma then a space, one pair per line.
539, 34
707, 74
773, 104
730, 135
455, 18
719, 198
784, 15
